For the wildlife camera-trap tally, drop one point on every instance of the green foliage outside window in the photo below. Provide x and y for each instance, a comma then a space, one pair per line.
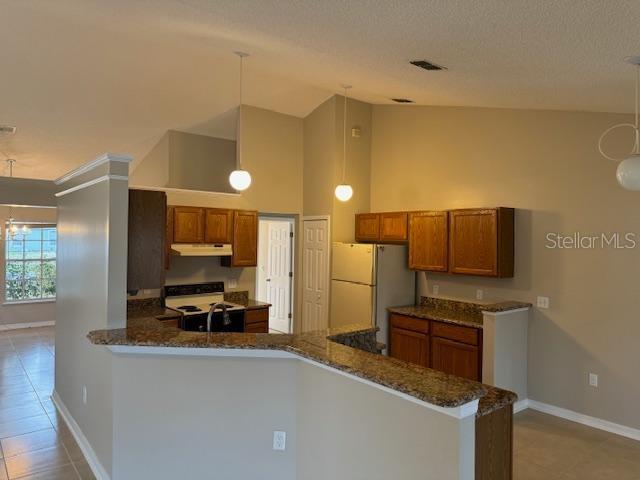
30, 268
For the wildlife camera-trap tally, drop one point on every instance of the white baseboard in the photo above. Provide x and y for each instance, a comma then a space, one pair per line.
593, 422
16, 326
520, 405
92, 459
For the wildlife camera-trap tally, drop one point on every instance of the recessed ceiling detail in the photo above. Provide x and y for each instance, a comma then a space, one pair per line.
427, 65
402, 100
7, 129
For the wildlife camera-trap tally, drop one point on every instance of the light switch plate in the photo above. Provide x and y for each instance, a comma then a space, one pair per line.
232, 283
543, 302
593, 379
436, 289
479, 294
279, 440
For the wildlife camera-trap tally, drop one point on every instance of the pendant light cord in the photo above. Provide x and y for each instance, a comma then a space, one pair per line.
344, 137
635, 126
239, 124
239, 119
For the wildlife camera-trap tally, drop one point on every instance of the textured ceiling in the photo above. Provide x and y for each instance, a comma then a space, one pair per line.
80, 77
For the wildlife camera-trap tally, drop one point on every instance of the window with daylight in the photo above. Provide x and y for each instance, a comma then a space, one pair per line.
30, 263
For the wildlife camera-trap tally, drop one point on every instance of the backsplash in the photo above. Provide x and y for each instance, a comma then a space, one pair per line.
240, 297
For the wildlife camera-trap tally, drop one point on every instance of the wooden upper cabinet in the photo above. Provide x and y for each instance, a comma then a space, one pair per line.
146, 239
393, 227
218, 225
481, 242
188, 224
428, 241
367, 227
245, 240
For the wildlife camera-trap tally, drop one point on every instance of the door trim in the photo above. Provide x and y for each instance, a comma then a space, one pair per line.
327, 280
292, 221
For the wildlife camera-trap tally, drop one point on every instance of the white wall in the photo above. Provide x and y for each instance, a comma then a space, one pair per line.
213, 417
191, 417
92, 260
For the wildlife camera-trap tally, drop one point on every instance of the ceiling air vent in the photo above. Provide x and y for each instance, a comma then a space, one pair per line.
427, 65
7, 129
402, 100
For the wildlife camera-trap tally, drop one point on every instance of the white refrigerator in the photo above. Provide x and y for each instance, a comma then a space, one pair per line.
365, 280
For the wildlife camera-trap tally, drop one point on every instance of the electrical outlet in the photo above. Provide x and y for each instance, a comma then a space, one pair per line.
543, 302
436, 289
84, 394
479, 294
232, 283
279, 440
593, 379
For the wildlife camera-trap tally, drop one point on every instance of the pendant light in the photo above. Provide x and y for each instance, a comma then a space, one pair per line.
240, 179
13, 227
344, 192
628, 171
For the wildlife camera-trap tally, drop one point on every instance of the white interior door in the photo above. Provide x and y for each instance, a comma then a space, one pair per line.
274, 271
315, 291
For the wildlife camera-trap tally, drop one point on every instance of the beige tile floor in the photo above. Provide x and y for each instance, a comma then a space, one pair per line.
549, 448
36, 445
34, 442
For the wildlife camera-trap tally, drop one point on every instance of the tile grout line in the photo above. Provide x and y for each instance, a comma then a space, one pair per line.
48, 418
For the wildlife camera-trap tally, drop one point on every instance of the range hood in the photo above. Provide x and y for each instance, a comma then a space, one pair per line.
201, 249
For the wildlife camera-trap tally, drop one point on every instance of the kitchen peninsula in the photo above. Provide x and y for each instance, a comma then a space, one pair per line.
348, 352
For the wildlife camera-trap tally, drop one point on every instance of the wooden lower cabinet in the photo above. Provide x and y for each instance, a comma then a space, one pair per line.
409, 346
256, 320
442, 346
455, 358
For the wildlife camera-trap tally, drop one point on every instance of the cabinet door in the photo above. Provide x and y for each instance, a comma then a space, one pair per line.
245, 240
146, 239
428, 241
367, 227
188, 225
393, 227
409, 346
481, 242
218, 225
258, 327
455, 358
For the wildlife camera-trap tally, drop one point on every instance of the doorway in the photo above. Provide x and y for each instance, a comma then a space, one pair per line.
274, 277
315, 258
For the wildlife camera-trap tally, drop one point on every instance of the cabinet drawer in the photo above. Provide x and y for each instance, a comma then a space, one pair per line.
409, 323
454, 332
257, 315
257, 327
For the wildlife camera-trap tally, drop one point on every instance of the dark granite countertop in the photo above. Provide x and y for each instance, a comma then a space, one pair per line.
328, 347
466, 319
242, 298
465, 313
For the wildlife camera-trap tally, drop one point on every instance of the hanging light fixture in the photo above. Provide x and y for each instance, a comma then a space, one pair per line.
344, 192
240, 179
628, 172
13, 228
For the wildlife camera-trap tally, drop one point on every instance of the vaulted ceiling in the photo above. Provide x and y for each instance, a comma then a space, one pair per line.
80, 77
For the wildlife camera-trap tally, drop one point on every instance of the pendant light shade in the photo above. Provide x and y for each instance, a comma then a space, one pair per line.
240, 179
628, 171
344, 192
